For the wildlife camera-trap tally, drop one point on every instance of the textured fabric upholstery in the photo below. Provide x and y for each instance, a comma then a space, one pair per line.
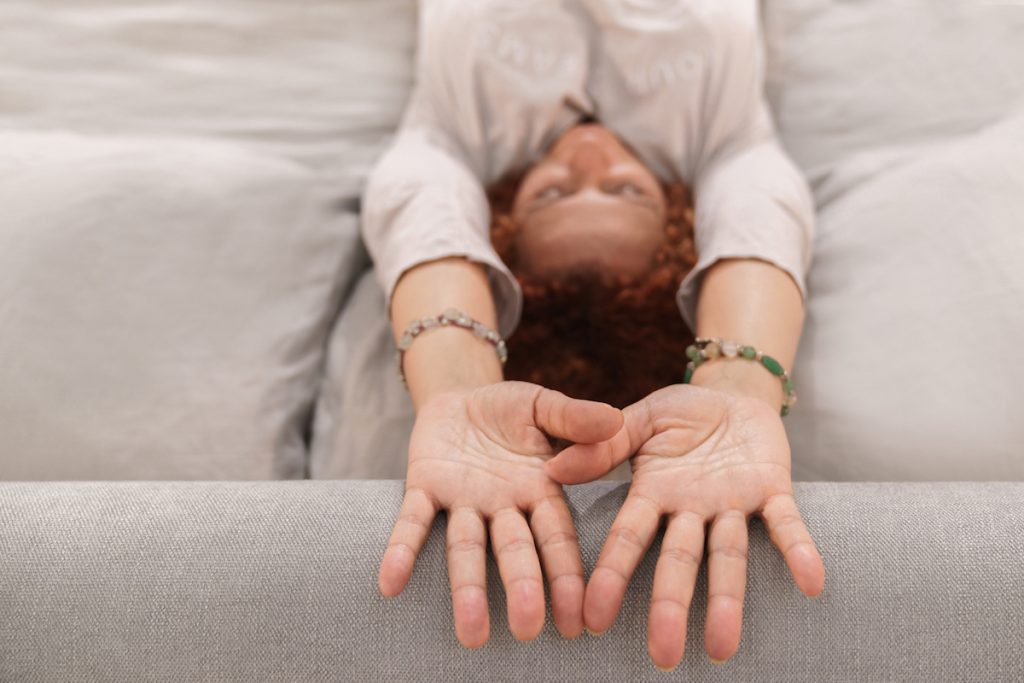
243, 581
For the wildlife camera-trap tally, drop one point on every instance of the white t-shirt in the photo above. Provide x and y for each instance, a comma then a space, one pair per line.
497, 81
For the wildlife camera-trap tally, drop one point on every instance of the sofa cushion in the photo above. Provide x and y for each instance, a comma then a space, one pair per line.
364, 415
907, 118
164, 305
322, 84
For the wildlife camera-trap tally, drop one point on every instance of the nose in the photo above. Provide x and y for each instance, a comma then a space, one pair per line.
589, 161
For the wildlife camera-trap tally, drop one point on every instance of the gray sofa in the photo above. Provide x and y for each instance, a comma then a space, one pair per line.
232, 581
185, 305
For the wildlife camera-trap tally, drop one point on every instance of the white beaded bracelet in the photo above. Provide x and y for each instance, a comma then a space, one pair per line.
450, 317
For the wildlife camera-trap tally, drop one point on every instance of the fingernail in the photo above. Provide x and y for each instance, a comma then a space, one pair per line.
716, 661
594, 633
665, 668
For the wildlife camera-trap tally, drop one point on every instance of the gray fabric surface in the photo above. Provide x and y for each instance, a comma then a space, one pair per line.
241, 581
165, 305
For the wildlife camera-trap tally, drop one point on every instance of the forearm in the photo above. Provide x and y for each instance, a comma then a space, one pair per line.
756, 303
445, 358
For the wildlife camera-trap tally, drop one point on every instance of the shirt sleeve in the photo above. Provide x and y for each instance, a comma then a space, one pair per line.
751, 199
425, 197
422, 202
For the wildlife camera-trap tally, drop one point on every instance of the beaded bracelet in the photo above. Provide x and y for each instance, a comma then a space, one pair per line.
453, 317
704, 349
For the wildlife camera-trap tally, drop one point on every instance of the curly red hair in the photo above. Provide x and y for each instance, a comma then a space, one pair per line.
603, 339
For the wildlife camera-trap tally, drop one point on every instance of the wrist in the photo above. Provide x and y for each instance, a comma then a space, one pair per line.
740, 377
449, 359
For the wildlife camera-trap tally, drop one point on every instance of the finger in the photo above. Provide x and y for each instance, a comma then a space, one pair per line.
628, 540
574, 419
727, 578
467, 567
410, 532
581, 463
516, 553
788, 533
674, 578
552, 525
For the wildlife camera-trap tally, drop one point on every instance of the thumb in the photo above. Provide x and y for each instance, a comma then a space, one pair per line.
575, 419
583, 462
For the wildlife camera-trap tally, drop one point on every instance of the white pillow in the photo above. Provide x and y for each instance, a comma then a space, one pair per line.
364, 415
906, 118
321, 82
911, 365
845, 77
164, 305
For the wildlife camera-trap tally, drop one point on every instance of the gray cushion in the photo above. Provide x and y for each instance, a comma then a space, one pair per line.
364, 415
276, 581
165, 303
323, 86
908, 118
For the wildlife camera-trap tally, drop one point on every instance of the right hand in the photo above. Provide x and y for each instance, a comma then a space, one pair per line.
479, 454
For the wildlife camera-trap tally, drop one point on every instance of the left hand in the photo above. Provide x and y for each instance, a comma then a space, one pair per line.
699, 456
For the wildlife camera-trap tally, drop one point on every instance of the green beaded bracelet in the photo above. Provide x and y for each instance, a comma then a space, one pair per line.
704, 349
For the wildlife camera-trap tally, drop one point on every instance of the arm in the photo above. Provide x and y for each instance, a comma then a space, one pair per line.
755, 229
478, 444
753, 302
709, 457
447, 359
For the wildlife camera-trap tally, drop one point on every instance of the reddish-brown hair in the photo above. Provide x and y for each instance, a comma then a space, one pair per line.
593, 338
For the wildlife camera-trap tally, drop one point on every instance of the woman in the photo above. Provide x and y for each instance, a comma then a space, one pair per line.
503, 87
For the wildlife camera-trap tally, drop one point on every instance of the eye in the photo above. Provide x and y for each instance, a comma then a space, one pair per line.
550, 192
628, 189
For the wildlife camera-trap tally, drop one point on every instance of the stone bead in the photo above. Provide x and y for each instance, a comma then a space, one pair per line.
773, 365
730, 349
493, 336
427, 323
785, 411
748, 352
688, 374
787, 386
405, 342
479, 330
449, 315
712, 351
692, 352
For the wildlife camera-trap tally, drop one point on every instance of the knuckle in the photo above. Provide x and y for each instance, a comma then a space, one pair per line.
628, 536
673, 601
730, 552
613, 570
797, 543
682, 556
412, 520
559, 538
464, 546
515, 546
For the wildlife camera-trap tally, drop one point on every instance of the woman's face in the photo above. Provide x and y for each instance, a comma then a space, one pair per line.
588, 205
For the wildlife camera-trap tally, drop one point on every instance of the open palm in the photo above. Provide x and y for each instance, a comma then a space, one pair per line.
699, 456
480, 454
